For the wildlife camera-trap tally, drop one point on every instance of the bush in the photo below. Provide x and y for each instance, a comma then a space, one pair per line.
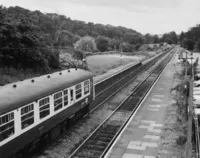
78, 54
86, 44
126, 47
181, 140
102, 43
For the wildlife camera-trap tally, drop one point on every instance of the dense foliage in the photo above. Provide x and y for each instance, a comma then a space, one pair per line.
191, 38
23, 44
31, 39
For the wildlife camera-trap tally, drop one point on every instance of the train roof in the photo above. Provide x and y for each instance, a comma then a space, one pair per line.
17, 94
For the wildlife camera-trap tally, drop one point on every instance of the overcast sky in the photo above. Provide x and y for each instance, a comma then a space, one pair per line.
145, 16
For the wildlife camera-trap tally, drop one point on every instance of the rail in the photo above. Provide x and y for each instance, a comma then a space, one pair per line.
112, 88
103, 85
102, 138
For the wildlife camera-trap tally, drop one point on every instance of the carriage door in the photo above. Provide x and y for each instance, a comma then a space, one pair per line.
71, 95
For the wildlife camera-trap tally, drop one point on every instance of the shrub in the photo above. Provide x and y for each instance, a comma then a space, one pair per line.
102, 43
86, 44
181, 140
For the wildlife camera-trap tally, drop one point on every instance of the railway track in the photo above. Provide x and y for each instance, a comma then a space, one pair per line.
117, 86
105, 84
97, 144
107, 88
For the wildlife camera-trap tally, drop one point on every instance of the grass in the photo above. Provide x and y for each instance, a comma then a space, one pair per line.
97, 64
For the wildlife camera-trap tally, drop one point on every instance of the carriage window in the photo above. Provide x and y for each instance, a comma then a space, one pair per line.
27, 116
86, 87
72, 94
65, 97
58, 101
78, 91
6, 126
44, 107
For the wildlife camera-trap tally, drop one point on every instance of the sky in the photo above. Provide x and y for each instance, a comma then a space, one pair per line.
144, 16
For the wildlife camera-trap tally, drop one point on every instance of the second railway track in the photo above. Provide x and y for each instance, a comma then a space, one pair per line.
103, 102
109, 87
97, 144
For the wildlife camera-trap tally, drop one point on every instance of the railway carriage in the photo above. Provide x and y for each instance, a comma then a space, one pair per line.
37, 109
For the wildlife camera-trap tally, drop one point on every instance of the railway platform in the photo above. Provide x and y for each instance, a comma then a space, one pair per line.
141, 137
114, 71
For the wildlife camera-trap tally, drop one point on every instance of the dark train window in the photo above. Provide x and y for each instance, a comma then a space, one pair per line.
27, 116
44, 106
86, 87
7, 127
58, 101
72, 94
65, 92
78, 91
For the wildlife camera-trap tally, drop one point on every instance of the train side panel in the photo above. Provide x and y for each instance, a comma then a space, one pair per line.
23, 140
37, 132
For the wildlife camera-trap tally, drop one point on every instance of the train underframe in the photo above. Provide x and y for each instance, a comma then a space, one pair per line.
45, 139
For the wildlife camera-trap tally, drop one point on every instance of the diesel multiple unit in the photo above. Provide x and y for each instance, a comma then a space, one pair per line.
35, 109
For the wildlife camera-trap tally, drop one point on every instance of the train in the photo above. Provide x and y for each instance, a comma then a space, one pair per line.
35, 110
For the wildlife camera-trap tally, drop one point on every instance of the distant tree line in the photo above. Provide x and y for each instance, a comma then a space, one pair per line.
170, 38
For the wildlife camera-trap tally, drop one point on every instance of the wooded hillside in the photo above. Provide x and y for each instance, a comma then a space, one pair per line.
31, 39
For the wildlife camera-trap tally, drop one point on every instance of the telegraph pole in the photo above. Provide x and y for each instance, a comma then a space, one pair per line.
186, 65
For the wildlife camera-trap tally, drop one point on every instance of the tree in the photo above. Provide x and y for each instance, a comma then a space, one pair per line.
126, 47
114, 43
191, 38
197, 46
65, 38
148, 39
102, 43
170, 38
155, 39
188, 44
22, 46
86, 44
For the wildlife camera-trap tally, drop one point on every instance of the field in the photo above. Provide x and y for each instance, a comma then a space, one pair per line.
99, 64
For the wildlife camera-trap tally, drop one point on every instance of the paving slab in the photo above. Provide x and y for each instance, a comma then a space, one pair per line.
143, 132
